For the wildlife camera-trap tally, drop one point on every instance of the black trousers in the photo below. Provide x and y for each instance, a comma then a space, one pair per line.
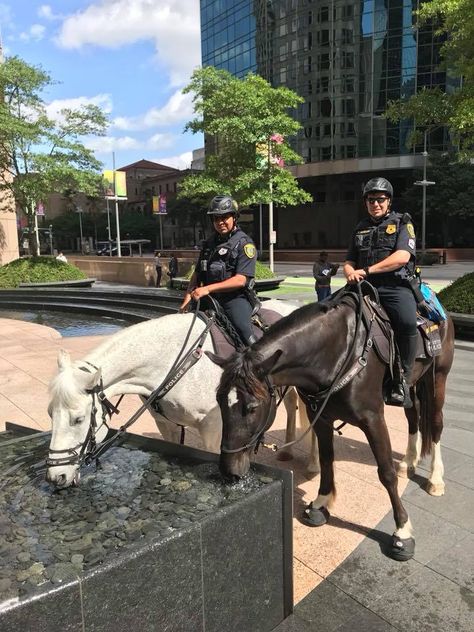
239, 311
400, 305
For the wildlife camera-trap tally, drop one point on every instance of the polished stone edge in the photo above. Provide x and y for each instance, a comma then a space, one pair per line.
73, 283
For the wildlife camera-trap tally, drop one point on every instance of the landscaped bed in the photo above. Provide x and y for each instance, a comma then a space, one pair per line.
37, 270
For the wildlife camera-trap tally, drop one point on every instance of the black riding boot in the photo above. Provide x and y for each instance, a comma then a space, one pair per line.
400, 395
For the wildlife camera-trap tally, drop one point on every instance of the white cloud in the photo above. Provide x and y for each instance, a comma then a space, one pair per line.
35, 33
159, 142
108, 144
45, 11
53, 109
5, 15
177, 109
173, 25
183, 161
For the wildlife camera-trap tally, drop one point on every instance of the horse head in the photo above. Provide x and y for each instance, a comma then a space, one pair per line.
72, 416
247, 401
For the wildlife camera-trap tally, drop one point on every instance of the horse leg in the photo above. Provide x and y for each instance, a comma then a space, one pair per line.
290, 401
210, 431
310, 442
316, 514
406, 467
403, 543
435, 485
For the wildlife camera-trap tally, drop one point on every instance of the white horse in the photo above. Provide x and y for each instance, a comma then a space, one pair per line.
136, 360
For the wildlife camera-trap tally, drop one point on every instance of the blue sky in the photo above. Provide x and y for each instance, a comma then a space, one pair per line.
131, 57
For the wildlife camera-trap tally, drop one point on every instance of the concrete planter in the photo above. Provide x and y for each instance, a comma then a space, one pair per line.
463, 325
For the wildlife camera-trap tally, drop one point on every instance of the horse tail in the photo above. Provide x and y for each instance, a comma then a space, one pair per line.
425, 391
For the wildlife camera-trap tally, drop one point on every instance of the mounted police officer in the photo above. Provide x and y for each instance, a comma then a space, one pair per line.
226, 268
382, 250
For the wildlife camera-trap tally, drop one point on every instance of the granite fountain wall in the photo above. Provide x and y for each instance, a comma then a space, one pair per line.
154, 541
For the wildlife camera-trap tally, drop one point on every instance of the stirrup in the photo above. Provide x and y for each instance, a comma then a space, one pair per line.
399, 395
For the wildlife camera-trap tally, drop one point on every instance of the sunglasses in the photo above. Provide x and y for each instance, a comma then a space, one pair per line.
222, 218
379, 200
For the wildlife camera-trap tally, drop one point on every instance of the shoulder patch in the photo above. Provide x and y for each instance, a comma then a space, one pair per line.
411, 230
391, 228
250, 251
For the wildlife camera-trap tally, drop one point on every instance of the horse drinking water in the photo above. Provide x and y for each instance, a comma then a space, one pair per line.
136, 360
323, 350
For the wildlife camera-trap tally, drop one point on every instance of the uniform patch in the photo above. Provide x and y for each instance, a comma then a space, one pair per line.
391, 228
411, 230
222, 251
411, 244
250, 250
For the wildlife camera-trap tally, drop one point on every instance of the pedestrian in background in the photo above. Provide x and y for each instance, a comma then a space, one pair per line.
61, 257
158, 268
323, 270
172, 267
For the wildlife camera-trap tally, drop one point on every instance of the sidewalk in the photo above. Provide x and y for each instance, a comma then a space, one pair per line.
342, 580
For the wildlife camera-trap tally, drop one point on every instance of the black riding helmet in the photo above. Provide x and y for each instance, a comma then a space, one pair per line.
223, 205
380, 185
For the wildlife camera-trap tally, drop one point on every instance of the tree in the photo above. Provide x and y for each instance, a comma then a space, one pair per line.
39, 155
431, 107
240, 117
449, 202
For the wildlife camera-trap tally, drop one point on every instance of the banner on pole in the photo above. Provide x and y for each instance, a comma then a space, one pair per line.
40, 209
117, 188
159, 204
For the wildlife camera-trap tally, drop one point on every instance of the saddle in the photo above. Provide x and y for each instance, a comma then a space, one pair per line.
429, 338
224, 336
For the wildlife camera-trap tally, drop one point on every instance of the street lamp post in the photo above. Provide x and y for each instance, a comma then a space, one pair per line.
424, 183
79, 210
51, 238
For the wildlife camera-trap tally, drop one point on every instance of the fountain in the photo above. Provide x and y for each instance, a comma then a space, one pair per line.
153, 540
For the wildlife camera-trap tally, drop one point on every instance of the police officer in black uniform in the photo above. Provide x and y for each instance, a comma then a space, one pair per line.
382, 250
226, 268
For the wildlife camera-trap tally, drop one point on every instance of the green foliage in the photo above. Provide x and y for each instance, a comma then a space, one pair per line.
37, 270
39, 155
431, 107
459, 296
238, 116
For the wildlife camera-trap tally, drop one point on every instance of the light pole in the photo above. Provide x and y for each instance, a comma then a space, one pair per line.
79, 210
424, 183
51, 238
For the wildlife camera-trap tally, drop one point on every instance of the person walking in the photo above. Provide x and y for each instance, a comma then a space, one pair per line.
61, 257
158, 268
323, 270
382, 250
226, 268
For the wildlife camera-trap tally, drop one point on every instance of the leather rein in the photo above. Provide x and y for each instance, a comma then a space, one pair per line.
89, 450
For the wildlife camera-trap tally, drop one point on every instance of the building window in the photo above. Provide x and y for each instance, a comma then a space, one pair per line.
323, 61
323, 37
347, 12
322, 84
159, 188
348, 107
323, 14
347, 36
347, 59
326, 153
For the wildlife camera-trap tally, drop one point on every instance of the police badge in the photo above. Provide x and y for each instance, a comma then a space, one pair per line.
391, 228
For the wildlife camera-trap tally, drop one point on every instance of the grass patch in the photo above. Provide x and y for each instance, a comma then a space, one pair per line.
37, 270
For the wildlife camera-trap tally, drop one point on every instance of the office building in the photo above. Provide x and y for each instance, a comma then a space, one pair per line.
347, 59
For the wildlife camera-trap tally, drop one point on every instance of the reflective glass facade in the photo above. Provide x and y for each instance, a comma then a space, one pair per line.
347, 59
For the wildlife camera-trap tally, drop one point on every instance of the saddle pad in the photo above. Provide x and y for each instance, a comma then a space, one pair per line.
222, 342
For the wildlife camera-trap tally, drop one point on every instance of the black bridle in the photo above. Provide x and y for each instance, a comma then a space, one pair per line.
89, 450
346, 374
257, 438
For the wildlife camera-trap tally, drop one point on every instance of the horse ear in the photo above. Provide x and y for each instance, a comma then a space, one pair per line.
215, 358
265, 367
64, 359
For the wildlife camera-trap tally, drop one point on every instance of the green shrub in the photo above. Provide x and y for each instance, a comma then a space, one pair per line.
459, 296
37, 270
261, 272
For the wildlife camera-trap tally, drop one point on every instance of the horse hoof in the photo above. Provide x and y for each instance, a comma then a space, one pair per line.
284, 455
435, 489
401, 549
313, 517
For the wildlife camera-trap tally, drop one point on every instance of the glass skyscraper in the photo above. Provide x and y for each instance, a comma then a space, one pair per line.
347, 59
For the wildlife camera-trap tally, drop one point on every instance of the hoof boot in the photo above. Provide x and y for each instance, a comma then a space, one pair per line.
313, 517
400, 549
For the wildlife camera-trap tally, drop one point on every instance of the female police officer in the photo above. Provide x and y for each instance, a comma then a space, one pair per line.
226, 267
382, 250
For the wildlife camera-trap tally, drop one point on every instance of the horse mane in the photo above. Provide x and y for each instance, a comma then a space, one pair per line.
64, 389
239, 372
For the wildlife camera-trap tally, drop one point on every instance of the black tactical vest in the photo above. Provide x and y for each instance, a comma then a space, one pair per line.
219, 258
375, 242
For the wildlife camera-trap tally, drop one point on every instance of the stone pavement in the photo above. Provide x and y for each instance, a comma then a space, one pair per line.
342, 579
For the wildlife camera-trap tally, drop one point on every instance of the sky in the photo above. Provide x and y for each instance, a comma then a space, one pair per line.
130, 57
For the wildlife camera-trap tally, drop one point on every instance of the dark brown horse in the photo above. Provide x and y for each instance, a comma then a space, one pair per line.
322, 349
